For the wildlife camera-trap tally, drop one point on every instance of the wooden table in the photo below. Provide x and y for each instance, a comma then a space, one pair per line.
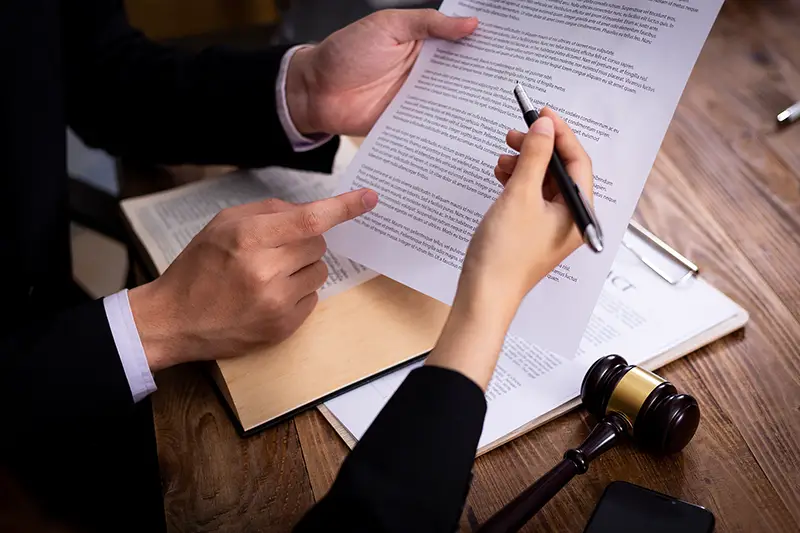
725, 190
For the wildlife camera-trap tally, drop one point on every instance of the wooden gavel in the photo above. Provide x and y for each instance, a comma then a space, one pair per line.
628, 401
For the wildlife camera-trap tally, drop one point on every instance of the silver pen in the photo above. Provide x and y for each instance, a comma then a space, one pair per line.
789, 115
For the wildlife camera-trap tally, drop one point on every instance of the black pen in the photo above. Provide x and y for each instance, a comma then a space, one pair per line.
576, 202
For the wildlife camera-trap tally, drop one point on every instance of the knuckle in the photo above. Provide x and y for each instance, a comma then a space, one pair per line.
272, 205
534, 141
261, 277
311, 222
276, 302
344, 211
536, 150
244, 238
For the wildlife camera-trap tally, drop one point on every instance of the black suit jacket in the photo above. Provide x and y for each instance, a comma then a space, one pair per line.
71, 437
410, 473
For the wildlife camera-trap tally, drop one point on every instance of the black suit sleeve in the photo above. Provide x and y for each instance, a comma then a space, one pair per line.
74, 442
411, 470
140, 99
63, 366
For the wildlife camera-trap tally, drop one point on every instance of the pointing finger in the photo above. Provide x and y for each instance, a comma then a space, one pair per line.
315, 218
264, 207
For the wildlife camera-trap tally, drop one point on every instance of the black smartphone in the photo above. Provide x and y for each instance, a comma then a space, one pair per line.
628, 508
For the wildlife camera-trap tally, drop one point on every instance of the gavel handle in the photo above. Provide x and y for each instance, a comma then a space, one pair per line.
516, 514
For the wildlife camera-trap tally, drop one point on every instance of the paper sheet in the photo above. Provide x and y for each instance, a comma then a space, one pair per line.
166, 222
614, 70
638, 316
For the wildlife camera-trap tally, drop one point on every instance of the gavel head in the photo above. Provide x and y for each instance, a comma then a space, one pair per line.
659, 419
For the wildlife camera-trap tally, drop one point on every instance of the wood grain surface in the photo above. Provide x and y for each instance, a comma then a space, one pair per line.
725, 191
215, 481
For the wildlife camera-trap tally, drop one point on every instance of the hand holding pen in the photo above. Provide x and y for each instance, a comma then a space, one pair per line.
574, 198
528, 230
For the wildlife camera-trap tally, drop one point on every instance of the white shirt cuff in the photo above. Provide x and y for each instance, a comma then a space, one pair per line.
129, 345
299, 142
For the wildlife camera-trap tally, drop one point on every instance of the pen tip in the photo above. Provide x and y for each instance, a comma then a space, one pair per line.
592, 237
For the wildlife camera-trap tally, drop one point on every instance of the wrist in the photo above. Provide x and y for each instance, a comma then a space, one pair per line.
492, 314
473, 335
299, 83
150, 314
487, 297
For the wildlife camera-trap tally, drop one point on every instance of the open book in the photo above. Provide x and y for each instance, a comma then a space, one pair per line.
639, 316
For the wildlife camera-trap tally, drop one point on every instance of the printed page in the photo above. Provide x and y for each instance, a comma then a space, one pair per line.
638, 316
614, 70
166, 222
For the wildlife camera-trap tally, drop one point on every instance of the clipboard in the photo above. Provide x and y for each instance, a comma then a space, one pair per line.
688, 268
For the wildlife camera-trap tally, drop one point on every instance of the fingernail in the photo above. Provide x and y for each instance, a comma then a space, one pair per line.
369, 199
544, 126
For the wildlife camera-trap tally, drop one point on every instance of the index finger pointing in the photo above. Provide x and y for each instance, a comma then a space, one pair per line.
315, 218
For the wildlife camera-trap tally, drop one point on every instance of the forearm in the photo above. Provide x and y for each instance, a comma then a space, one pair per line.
473, 335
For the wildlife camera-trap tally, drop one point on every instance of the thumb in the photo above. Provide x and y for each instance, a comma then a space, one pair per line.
315, 218
534, 156
418, 24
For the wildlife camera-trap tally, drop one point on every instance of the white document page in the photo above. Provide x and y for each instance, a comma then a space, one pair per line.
614, 70
638, 316
166, 222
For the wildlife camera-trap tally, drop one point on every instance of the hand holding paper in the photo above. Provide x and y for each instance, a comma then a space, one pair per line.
344, 84
260, 263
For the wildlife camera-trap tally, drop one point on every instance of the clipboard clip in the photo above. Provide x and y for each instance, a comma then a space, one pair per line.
691, 269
